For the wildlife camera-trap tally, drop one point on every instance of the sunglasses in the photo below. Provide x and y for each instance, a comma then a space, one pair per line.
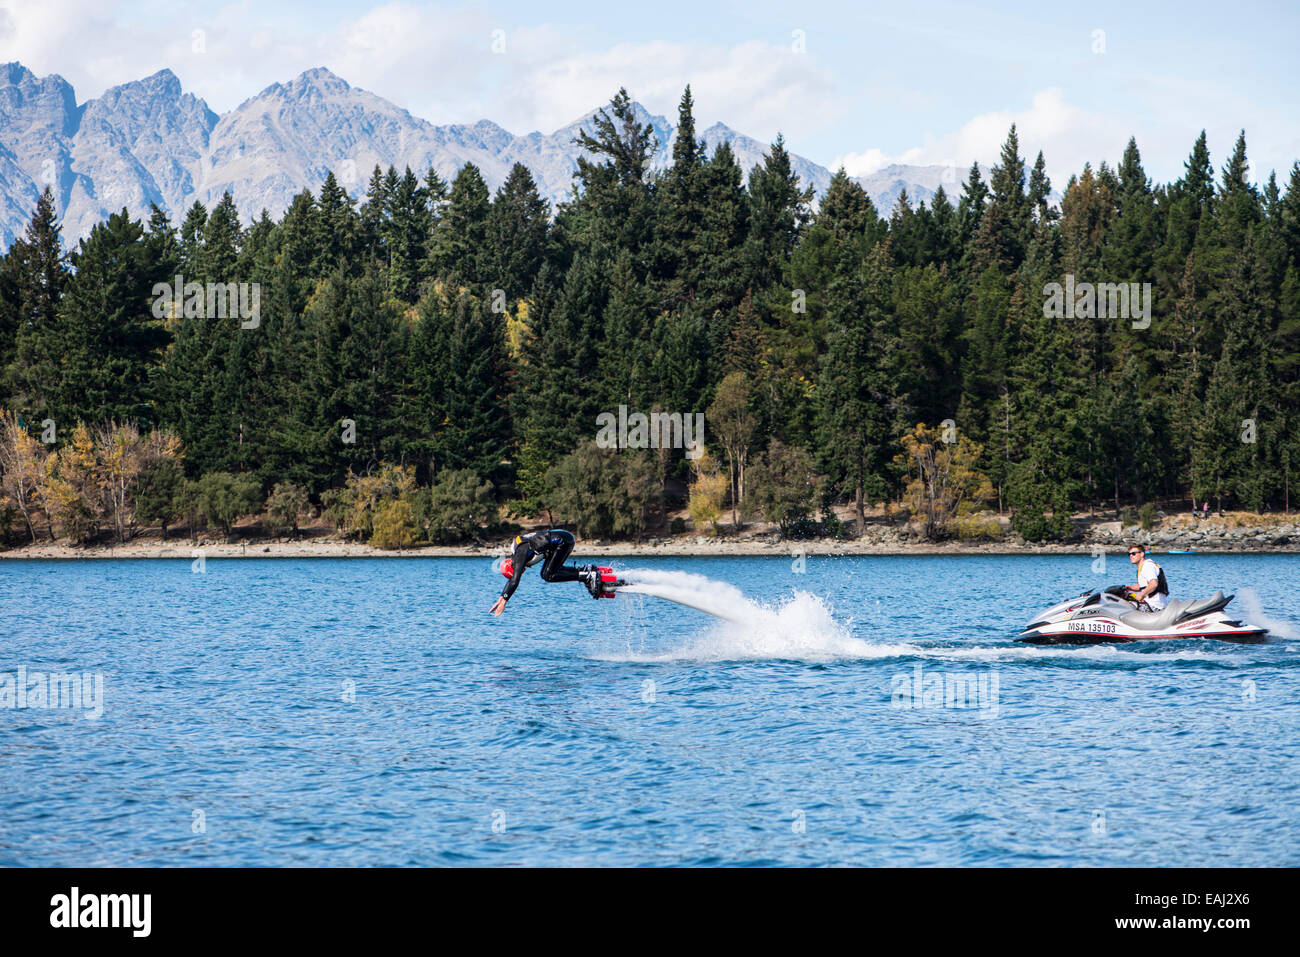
1135, 553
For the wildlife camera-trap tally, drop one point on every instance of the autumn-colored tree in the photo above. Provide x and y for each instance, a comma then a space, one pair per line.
394, 524
22, 467
734, 424
68, 489
355, 507
708, 491
122, 456
945, 483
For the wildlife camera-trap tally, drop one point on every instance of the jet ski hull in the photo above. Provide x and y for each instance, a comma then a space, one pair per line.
1054, 636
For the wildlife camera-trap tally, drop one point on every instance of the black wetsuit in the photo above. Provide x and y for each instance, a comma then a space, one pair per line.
553, 546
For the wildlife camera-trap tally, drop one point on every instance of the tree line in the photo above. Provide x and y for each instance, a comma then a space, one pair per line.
433, 355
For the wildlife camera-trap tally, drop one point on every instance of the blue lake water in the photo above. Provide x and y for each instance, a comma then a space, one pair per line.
370, 712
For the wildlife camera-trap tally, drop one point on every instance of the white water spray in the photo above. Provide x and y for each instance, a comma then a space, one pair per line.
1254, 614
800, 628
695, 591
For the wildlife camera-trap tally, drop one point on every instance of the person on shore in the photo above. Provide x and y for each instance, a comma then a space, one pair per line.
1152, 591
550, 547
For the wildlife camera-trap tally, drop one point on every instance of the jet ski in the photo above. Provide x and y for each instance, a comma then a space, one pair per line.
1110, 617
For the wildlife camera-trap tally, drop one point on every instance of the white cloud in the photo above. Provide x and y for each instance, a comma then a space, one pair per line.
437, 63
1067, 135
759, 88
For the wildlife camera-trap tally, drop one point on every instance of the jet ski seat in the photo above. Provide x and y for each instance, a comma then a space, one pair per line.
1155, 620
1175, 611
1206, 605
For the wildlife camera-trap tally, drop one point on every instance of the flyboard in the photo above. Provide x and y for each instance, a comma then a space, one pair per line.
693, 591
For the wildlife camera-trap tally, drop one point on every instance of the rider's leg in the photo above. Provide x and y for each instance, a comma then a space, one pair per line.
554, 569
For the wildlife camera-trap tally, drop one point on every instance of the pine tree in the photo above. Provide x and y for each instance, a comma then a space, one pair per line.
515, 236
612, 208
678, 253
682, 366
435, 197
408, 236
984, 413
928, 307
354, 377
625, 352
40, 273
970, 209
1043, 472
1237, 206
561, 376
109, 341
373, 218
723, 235
199, 385
1191, 200
1237, 448
459, 385
1130, 241
191, 239
337, 228
1005, 226
11, 310
458, 245
946, 249
854, 391
778, 210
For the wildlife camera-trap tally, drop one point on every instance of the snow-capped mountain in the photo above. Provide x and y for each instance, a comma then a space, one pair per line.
147, 141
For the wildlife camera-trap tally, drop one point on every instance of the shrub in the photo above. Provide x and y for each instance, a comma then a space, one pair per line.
394, 525
1146, 515
981, 526
604, 492
353, 508
677, 526
221, 498
287, 502
784, 488
831, 526
707, 494
455, 508
1037, 526
189, 501
159, 498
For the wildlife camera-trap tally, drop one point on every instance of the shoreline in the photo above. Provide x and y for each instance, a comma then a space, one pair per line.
186, 551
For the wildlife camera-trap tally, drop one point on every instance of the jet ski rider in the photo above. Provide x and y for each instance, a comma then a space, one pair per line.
551, 547
1151, 590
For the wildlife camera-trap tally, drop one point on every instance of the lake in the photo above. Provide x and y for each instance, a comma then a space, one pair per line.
370, 712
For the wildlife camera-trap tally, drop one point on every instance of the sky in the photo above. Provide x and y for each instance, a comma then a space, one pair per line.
858, 84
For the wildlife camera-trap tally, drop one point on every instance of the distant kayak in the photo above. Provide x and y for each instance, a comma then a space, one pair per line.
1182, 551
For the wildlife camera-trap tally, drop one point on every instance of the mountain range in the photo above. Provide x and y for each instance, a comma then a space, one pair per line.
147, 141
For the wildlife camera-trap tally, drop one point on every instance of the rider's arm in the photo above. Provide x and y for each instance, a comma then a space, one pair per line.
520, 561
